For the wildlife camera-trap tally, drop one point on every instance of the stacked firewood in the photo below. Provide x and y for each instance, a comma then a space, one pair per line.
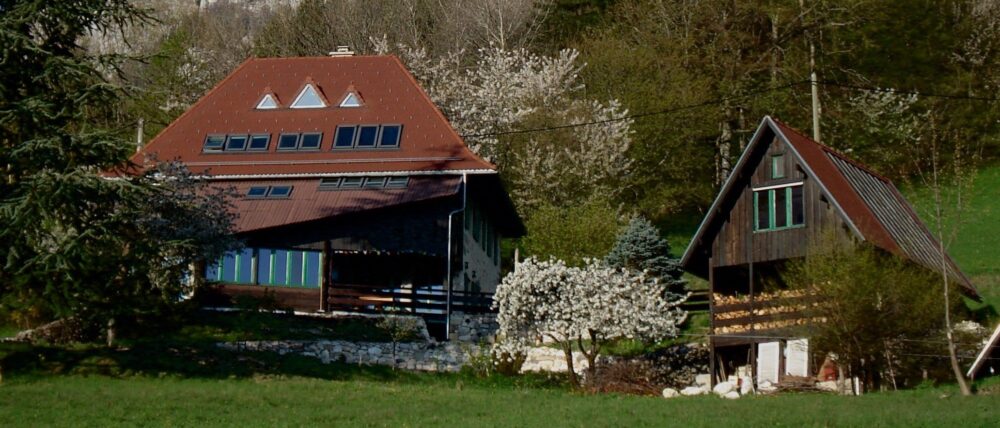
764, 307
797, 384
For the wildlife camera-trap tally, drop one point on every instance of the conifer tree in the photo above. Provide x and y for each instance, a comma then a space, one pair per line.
640, 247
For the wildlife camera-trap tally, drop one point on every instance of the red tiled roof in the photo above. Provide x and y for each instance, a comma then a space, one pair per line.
391, 96
307, 202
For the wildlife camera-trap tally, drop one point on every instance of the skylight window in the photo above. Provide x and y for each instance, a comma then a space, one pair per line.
256, 192
288, 142
374, 182
329, 183
351, 100
345, 137
267, 103
279, 192
236, 142
308, 98
389, 136
397, 182
367, 135
311, 141
351, 182
214, 143
259, 142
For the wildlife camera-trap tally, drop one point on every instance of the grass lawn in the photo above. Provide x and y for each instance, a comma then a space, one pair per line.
447, 401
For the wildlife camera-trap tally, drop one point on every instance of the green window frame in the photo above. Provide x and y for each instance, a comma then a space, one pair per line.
778, 166
792, 206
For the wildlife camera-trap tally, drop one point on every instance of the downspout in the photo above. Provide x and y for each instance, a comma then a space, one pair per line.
448, 276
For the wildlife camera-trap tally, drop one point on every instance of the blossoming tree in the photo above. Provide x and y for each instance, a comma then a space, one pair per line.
583, 307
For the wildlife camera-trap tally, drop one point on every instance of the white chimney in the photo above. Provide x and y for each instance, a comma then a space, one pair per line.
342, 51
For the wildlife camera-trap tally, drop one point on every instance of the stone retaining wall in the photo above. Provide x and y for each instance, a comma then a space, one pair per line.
441, 357
475, 328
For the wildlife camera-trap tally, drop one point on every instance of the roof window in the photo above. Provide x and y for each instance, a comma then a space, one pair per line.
267, 103
351, 100
269, 192
310, 140
214, 143
375, 182
257, 192
308, 98
259, 142
288, 142
236, 142
367, 136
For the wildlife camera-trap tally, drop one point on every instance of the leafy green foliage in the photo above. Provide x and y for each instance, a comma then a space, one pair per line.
640, 247
81, 243
572, 233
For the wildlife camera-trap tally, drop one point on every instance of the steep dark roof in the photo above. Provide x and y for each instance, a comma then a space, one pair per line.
869, 202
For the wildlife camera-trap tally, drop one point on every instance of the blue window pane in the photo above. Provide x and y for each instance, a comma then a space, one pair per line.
257, 192
311, 141
280, 267
288, 142
390, 136
280, 192
229, 267
313, 269
295, 268
345, 136
264, 266
236, 142
244, 273
213, 143
259, 142
366, 136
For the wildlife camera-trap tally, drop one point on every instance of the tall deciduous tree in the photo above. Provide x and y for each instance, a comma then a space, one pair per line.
582, 307
83, 236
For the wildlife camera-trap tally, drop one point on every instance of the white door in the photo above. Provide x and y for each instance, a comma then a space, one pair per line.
797, 357
768, 359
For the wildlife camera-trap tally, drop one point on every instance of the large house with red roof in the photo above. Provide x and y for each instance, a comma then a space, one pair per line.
787, 193
355, 193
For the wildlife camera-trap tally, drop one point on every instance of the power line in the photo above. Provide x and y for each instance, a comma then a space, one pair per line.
904, 92
714, 101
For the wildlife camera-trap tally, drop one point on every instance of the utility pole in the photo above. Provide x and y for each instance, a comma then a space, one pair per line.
816, 110
138, 136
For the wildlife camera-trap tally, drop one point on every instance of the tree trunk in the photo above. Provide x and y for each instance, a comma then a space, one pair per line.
574, 380
111, 332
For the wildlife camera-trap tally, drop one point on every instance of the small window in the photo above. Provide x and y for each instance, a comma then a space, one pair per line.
351, 100
311, 141
236, 142
329, 183
345, 137
267, 103
779, 208
389, 136
397, 182
214, 143
375, 182
288, 142
351, 182
259, 142
279, 192
778, 166
366, 135
308, 98
257, 192
798, 207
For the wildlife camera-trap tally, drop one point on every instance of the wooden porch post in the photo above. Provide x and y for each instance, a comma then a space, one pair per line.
324, 284
711, 322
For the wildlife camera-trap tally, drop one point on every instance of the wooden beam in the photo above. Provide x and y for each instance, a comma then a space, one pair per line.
324, 284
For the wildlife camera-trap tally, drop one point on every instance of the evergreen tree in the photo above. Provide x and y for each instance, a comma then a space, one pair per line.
640, 247
78, 243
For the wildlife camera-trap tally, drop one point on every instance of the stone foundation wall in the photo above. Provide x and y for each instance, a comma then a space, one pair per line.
475, 328
425, 356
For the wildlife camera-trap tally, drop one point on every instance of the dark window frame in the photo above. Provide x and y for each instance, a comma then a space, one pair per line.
302, 139
771, 197
399, 135
281, 136
336, 137
375, 139
267, 142
212, 137
271, 189
265, 189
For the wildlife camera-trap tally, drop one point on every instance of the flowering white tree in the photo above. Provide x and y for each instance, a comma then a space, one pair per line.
507, 90
585, 307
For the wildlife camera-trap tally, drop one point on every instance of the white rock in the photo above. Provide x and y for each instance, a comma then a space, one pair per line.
702, 379
723, 388
732, 395
746, 386
694, 390
670, 393
374, 350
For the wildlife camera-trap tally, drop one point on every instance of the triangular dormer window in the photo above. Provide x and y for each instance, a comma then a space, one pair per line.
351, 100
308, 98
267, 103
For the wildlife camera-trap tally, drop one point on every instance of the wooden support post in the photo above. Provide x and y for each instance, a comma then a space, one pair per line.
711, 322
324, 284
